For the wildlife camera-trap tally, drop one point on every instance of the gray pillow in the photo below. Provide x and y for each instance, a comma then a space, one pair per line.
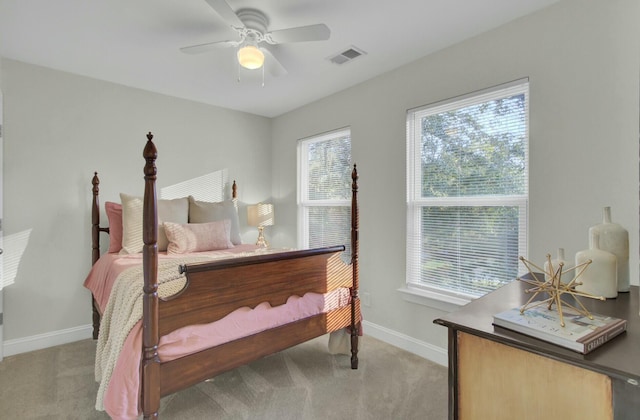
205, 212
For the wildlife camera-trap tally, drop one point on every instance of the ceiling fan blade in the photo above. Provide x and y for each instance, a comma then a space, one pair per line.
319, 32
272, 64
209, 46
226, 12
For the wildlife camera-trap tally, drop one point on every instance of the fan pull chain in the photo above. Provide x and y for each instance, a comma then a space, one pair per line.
262, 75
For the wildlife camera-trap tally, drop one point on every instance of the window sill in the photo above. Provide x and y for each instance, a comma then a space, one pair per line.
432, 299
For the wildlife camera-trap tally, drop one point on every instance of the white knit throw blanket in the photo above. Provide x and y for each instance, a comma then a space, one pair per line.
124, 310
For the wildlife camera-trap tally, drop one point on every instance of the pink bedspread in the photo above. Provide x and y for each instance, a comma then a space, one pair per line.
121, 396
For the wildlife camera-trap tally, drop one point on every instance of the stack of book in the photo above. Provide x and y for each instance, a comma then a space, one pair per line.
579, 334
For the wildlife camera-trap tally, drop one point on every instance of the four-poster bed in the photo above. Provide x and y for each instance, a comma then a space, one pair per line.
212, 291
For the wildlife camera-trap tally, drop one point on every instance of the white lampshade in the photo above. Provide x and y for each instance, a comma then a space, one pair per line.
250, 57
260, 215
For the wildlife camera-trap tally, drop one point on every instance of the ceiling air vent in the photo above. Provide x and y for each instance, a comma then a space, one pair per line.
347, 55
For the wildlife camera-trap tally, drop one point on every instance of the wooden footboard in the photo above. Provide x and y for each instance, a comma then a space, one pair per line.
217, 288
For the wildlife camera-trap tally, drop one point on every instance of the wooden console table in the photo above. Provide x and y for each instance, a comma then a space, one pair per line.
498, 374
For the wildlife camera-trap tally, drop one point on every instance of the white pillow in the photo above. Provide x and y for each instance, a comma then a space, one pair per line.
205, 212
195, 237
176, 211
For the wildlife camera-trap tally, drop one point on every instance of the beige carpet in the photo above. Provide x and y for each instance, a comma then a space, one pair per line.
304, 382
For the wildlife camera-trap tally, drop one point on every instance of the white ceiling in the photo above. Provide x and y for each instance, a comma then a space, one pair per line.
136, 43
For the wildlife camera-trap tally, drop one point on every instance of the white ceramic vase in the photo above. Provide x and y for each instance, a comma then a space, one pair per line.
600, 278
614, 239
567, 275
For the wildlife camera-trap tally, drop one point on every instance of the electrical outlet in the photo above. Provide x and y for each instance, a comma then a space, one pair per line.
366, 299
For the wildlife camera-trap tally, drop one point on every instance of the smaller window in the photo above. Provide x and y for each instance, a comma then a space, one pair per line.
324, 190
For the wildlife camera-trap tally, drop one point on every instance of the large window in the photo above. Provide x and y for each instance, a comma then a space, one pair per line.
467, 191
324, 190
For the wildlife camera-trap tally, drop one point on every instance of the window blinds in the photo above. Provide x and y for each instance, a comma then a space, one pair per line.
467, 191
324, 196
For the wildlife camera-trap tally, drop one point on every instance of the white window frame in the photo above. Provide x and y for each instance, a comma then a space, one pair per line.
431, 295
304, 203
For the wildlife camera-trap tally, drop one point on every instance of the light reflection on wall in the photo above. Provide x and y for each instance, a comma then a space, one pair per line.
14, 246
212, 187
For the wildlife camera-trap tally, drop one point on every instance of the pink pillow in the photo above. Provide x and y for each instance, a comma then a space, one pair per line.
114, 214
195, 237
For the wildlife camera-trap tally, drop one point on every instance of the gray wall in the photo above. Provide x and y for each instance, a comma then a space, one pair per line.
59, 129
582, 61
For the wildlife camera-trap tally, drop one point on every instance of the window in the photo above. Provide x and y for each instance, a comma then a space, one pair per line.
324, 190
467, 192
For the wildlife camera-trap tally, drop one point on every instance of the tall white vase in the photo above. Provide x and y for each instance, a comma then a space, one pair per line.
600, 278
614, 239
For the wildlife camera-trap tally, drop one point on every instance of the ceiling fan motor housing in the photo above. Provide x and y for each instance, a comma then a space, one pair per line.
254, 19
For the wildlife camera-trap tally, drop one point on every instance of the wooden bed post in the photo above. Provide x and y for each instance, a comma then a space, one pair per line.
355, 221
95, 220
150, 360
95, 245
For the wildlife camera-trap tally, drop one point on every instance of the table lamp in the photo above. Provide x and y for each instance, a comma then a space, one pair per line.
260, 215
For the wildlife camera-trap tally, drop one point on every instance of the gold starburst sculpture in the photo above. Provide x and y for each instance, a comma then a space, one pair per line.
554, 287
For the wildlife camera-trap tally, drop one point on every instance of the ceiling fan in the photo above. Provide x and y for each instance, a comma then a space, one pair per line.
254, 39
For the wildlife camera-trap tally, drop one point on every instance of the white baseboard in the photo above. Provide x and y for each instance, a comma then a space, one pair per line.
50, 339
423, 349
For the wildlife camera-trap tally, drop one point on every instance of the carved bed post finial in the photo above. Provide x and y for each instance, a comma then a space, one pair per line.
150, 154
150, 360
355, 244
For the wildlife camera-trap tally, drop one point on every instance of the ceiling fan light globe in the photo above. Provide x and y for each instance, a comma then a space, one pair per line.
250, 57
